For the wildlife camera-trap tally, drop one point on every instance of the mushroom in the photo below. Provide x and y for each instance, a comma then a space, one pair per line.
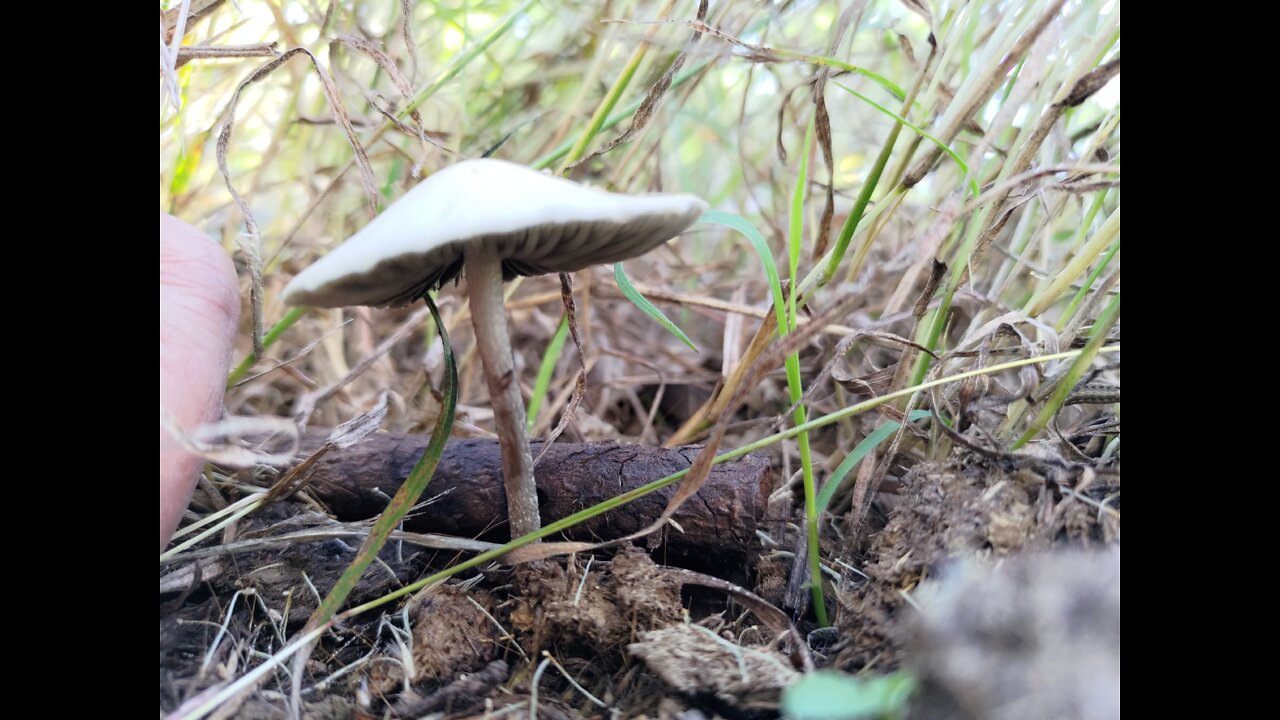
495, 220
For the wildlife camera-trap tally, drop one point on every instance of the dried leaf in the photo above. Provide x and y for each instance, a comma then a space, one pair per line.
872, 384
1092, 82
930, 287
398, 79
542, 551
822, 126
700, 469
354, 430
406, 9
758, 53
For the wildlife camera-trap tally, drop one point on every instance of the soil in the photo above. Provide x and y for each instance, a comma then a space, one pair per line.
619, 633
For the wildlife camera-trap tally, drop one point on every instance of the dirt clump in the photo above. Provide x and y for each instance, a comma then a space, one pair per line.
962, 509
601, 607
1033, 636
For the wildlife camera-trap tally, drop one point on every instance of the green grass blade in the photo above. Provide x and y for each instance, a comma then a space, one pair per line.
601, 115
286, 322
795, 386
640, 301
1085, 287
409, 492
749, 231
860, 205
889, 86
459, 62
973, 183
1106, 235
545, 370
563, 149
861, 450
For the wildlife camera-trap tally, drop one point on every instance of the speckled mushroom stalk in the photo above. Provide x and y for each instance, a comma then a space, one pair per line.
488, 316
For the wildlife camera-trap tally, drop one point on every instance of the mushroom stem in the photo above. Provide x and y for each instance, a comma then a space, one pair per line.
484, 284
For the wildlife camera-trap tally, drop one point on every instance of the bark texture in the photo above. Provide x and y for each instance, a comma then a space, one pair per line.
467, 497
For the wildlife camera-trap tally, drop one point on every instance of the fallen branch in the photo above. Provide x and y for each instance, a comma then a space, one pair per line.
716, 533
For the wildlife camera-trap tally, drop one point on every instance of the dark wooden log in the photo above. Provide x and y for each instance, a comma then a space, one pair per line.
719, 524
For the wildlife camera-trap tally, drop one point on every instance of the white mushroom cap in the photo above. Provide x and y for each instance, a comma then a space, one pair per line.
535, 222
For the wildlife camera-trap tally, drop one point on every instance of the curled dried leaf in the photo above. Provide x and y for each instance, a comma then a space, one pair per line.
354, 430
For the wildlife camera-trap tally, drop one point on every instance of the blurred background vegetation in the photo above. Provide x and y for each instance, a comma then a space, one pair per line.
523, 81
